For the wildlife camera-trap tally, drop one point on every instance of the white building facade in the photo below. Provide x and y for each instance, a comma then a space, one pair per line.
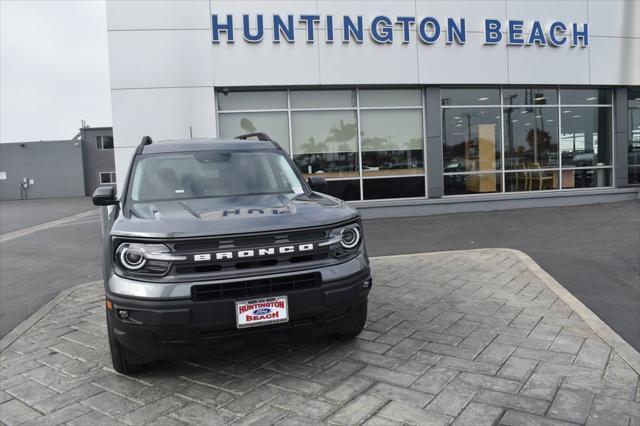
406, 106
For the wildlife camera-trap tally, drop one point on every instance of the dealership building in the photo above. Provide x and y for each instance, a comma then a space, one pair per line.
63, 168
405, 107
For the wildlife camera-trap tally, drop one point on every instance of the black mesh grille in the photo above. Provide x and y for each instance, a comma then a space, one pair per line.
233, 244
254, 288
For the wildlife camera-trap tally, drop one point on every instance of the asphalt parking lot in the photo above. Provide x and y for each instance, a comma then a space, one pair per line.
45, 250
20, 214
480, 337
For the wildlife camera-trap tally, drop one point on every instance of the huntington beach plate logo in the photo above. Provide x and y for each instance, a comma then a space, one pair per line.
272, 310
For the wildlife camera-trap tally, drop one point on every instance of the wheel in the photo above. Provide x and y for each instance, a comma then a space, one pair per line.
119, 357
360, 321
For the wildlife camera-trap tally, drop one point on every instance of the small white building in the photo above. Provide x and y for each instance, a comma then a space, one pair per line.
406, 106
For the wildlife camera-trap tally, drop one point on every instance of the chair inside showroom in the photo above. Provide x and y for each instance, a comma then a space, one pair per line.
523, 177
538, 177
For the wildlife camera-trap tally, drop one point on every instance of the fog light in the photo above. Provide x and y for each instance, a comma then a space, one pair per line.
366, 284
123, 314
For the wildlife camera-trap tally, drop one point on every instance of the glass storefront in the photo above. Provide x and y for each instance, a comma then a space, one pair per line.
633, 120
370, 143
367, 143
531, 138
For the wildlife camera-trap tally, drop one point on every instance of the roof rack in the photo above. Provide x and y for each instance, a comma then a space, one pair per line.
146, 140
258, 135
261, 137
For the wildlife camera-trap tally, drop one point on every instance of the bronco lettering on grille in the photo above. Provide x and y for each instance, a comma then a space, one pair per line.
251, 253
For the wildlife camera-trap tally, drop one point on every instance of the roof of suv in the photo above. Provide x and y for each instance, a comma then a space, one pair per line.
185, 145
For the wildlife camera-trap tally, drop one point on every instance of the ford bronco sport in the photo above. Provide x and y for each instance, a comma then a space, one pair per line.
221, 243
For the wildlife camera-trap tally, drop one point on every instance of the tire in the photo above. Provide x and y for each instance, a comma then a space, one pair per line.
360, 321
119, 357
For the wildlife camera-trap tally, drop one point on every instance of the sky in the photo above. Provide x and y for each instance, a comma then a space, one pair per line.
54, 68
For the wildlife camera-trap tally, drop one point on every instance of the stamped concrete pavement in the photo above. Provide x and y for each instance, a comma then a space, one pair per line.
464, 338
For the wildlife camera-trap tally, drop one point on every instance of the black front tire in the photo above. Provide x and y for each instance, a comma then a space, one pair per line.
359, 322
119, 358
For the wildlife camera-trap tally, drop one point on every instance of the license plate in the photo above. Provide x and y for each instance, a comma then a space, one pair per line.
271, 310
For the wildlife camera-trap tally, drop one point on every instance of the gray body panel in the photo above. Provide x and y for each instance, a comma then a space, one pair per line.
231, 215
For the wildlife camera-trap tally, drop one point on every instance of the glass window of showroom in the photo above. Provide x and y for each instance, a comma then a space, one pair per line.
517, 139
633, 120
367, 143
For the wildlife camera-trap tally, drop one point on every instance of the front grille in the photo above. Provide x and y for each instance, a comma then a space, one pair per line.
255, 288
233, 244
215, 267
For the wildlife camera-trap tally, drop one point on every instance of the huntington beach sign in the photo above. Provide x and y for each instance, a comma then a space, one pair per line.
385, 30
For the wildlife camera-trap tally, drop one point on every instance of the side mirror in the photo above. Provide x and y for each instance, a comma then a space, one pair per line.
104, 196
318, 184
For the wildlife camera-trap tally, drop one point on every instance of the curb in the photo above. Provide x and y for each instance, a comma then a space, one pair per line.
606, 333
25, 325
620, 346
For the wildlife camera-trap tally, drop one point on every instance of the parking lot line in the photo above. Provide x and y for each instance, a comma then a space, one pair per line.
69, 220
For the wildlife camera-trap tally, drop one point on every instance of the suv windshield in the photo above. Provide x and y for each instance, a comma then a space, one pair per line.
206, 174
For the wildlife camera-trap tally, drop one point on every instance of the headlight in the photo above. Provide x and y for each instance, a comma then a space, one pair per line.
145, 258
131, 257
350, 237
344, 240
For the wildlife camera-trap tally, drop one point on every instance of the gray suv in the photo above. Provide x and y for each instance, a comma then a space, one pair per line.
218, 243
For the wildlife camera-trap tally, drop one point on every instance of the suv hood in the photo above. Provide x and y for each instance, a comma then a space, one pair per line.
231, 215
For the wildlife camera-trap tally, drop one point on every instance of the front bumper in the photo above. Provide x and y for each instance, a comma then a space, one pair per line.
126, 287
177, 328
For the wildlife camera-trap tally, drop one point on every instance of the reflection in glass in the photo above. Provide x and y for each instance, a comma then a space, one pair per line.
406, 187
531, 180
325, 142
274, 124
633, 97
531, 137
232, 101
585, 96
467, 96
585, 139
390, 97
586, 178
472, 183
392, 142
347, 190
323, 99
471, 139
529, 96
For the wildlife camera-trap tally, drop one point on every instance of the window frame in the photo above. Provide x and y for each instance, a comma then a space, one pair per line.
357, 108
100, 143
559, 106
112, 176
631, 107
501, 105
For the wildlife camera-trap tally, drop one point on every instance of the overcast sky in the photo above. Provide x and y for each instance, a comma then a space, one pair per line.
54, 68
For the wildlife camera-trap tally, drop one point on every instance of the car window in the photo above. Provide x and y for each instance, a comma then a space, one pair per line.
205, 174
